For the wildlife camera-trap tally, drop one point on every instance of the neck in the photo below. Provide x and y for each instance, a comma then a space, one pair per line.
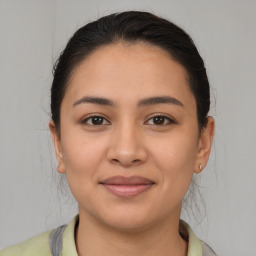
163, 239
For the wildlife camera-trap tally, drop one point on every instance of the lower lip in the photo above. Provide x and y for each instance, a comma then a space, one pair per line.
127, 191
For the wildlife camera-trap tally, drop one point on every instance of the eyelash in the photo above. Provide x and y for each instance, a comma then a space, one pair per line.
85, 121
168, 119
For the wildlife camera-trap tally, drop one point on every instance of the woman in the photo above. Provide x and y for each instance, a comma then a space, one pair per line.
130, 126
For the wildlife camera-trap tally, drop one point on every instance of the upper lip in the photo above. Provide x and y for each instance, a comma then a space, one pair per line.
122, 180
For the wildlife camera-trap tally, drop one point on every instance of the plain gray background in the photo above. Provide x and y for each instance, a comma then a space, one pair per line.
33, 33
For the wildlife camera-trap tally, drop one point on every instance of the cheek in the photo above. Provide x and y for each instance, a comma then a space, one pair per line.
83, 155
174, 156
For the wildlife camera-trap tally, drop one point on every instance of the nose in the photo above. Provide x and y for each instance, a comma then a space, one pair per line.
127, 147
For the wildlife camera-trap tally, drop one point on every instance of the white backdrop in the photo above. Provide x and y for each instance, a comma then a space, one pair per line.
32, 34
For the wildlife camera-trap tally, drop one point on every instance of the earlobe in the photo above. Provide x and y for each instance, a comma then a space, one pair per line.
60, 168
204, 145
198, 168
57, 146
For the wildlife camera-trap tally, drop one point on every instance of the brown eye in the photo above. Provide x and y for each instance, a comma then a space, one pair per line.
160, 120
95, 121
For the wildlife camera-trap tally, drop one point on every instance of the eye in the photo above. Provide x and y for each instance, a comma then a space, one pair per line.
160, 120
95, 121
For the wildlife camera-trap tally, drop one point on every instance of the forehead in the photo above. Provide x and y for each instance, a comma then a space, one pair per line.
129, 72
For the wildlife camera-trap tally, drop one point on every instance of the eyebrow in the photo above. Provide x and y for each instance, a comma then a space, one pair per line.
160, 100
141, 103
95, 100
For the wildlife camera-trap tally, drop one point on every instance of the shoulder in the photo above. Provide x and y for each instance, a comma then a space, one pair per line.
207, 250
195, 245
38, 245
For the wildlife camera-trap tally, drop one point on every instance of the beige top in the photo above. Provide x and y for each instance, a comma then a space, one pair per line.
39, 245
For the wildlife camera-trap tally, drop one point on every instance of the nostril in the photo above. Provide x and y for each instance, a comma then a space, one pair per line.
135, 161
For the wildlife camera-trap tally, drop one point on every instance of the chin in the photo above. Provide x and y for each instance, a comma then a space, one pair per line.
128, 226
128, 220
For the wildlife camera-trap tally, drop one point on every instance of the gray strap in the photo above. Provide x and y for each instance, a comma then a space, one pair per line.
207, 250
56, 240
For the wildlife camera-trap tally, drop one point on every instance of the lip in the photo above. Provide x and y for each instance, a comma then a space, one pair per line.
127, 187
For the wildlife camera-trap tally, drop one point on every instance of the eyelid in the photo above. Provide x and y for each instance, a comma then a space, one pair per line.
87, 117
168, 117
149, 117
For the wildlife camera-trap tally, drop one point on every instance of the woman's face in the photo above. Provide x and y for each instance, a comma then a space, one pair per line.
129, 141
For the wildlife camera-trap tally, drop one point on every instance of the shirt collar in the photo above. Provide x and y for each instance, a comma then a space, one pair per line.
69, 246
194, 244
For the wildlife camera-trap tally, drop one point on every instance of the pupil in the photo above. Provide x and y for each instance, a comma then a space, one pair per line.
158, 120
97, 120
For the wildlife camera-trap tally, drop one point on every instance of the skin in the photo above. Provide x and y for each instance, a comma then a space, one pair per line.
129, 142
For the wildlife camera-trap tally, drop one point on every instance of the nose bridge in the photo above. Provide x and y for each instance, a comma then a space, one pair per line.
127, 143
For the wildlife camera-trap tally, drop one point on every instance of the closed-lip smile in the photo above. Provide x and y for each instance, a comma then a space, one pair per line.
127, 187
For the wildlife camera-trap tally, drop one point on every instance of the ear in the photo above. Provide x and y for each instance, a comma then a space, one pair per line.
58, 148
204, 145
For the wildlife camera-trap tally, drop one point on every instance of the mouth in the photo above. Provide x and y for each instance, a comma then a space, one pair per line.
127, 187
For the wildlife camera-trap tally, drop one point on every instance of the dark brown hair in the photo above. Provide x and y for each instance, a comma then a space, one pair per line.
132, 26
